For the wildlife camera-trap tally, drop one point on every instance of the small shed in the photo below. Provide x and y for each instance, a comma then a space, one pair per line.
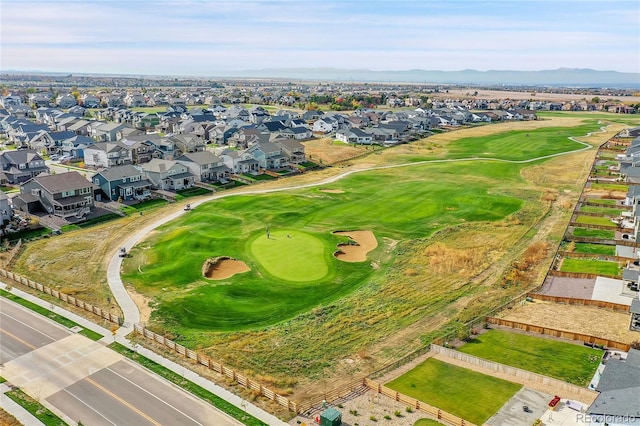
331, 417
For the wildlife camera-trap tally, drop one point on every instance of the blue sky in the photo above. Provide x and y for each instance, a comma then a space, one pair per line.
208, 38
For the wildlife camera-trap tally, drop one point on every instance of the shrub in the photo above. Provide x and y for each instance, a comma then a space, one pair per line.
409, 410
397, 413
373, 418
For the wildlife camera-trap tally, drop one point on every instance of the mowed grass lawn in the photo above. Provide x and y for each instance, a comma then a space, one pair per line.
596, 220
591, 266
594, 233
606, 211
589, 248
473, 396
286, 278
561, 360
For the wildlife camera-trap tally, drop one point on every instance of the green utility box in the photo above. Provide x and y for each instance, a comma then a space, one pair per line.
331, 417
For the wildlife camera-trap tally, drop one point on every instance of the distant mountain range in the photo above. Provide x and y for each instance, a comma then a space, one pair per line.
566, 77
572, 77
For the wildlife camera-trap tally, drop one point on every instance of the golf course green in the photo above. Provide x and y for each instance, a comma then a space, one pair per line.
290, 255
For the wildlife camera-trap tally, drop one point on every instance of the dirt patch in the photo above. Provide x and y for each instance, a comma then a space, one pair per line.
332, 191
364, 241
219, 268
600, 322
142, 302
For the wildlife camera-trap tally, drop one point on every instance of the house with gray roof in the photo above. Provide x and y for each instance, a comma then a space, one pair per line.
619, 387
21, 165
205, 166
107, 154
126, 182
66, 195
168, 175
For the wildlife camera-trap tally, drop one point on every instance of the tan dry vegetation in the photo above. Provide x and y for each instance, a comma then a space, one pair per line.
76, 262
7, 419
600, 322
323, 150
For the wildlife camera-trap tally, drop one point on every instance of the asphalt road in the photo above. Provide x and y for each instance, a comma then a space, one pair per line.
22, 331
87, 381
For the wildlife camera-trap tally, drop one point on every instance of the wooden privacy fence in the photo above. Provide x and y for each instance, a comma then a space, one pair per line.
527, 378
555, 273
586, 338
103, 313
583, 302
609, 257
353, 388
605, 241
613, 226
218, 367
437, 413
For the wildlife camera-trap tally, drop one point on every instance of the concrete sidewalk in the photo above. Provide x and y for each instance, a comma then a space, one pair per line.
177, 368
16, 410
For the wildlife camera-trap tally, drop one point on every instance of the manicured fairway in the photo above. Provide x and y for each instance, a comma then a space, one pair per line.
564, 361
291, 255
465, 393
520, 144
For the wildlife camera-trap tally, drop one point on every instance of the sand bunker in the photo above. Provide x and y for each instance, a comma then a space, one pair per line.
332, 191
219, 268
364, 241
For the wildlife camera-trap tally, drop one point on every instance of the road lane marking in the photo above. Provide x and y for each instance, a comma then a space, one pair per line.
89, 407
24, 342
122, 401
156, 396
34, 329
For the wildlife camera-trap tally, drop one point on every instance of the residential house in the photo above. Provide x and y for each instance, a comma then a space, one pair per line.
619, 389
107, 154
6, 211
90, 101
106, 132
21, 165
293, 149
240, 162
325, 124
80, 127
141, 147
66, 195
354, 136
188, 143
205, 166
297, 133
76, 145
268, 155
66, 101
126, 182
168, 175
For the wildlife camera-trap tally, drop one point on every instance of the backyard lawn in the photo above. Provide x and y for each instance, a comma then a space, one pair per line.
606, 211
591, 266
594, 233
589, 248
561, 360
596, 220
473, 396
